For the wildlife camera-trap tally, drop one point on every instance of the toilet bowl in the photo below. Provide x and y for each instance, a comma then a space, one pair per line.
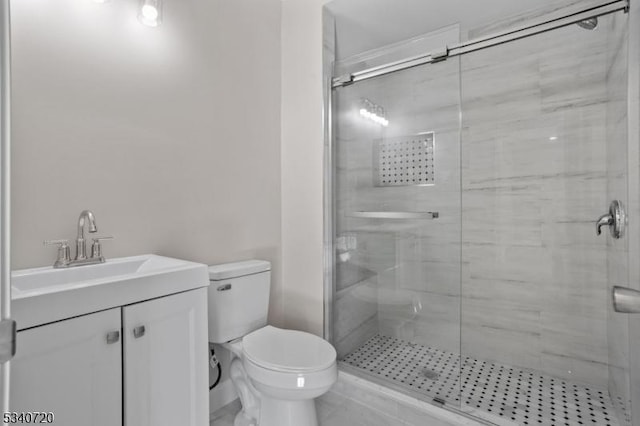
276, 372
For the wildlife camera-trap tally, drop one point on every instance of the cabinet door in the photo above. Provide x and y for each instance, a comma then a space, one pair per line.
165, 361
71, 368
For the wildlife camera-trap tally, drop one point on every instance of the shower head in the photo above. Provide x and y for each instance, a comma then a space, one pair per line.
589, 24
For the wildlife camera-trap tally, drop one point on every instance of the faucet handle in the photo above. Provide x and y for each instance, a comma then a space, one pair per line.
64, 252
55, 242
96, 247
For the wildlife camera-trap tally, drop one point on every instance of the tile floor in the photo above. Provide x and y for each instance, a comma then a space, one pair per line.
488, 390
226, 415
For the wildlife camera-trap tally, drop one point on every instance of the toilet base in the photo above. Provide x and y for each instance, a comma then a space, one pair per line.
259, 410
275, 412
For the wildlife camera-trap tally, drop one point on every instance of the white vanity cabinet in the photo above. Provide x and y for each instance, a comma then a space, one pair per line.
69, 368
143, 364
166, 380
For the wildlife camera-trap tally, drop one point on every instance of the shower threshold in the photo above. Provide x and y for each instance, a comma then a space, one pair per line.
489, 391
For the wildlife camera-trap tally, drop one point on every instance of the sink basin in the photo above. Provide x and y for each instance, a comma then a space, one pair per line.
49, 279
43, 295
28, 282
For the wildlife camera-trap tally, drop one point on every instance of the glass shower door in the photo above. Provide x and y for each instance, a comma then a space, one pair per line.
397, 230
544, 151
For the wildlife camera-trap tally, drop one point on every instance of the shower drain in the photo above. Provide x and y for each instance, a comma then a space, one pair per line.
430, 374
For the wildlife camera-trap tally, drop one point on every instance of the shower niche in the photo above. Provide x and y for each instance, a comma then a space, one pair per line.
405, 160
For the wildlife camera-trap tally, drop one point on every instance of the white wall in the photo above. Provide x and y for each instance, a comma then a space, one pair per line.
302, 164
171, 135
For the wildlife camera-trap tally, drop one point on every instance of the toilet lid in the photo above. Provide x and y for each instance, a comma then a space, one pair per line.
288, 350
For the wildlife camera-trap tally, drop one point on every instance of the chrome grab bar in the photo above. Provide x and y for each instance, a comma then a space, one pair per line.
394, 215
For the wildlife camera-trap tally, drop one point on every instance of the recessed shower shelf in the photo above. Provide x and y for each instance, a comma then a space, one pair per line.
394, 215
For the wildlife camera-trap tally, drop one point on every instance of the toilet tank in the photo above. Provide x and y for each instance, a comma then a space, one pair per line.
238, 299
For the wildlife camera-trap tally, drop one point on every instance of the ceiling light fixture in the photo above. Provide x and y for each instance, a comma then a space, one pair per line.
150, 12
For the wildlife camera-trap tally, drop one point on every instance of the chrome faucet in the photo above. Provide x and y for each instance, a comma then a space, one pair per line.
64, 257
81, 244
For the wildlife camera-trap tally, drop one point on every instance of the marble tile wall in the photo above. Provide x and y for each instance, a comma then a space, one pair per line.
619, 271
512, 270
633, 206
534, 179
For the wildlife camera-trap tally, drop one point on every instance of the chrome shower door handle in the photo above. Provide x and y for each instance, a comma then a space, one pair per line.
626, 300
616, 219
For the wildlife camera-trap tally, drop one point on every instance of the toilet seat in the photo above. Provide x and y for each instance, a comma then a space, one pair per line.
285, 364
288, 351
290, 385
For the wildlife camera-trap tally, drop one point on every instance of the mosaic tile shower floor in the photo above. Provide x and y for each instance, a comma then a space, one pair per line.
489, 390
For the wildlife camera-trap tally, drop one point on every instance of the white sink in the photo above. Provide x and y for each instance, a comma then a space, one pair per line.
43, 295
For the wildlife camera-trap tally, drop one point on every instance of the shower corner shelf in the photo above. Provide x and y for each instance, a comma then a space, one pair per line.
393, 215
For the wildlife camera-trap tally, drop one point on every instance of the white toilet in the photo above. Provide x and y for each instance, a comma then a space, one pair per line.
276, 372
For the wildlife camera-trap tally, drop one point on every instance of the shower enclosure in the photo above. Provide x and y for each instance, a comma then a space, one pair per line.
465, 267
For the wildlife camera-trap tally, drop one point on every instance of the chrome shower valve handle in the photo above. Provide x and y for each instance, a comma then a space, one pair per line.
605, 219
616, 219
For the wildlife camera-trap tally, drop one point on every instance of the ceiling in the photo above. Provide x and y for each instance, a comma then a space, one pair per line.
368, 24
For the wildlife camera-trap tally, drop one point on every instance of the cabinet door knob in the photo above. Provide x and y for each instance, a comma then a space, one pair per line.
113, 337
139, 331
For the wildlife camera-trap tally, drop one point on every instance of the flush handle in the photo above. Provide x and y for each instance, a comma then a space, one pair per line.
139, 331
224, 287
616, 219
626, 300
